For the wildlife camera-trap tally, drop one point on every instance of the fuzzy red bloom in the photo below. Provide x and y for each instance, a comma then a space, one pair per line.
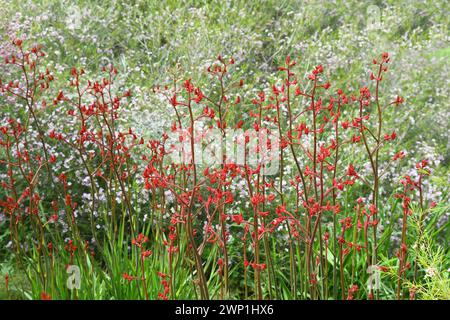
146, 253
140, 240
45, 296
238, 218
398, 100
127, 277
351, 171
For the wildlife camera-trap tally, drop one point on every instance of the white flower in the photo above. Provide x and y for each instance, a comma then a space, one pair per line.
430, 272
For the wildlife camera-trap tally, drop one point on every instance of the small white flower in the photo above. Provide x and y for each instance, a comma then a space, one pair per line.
430, 272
